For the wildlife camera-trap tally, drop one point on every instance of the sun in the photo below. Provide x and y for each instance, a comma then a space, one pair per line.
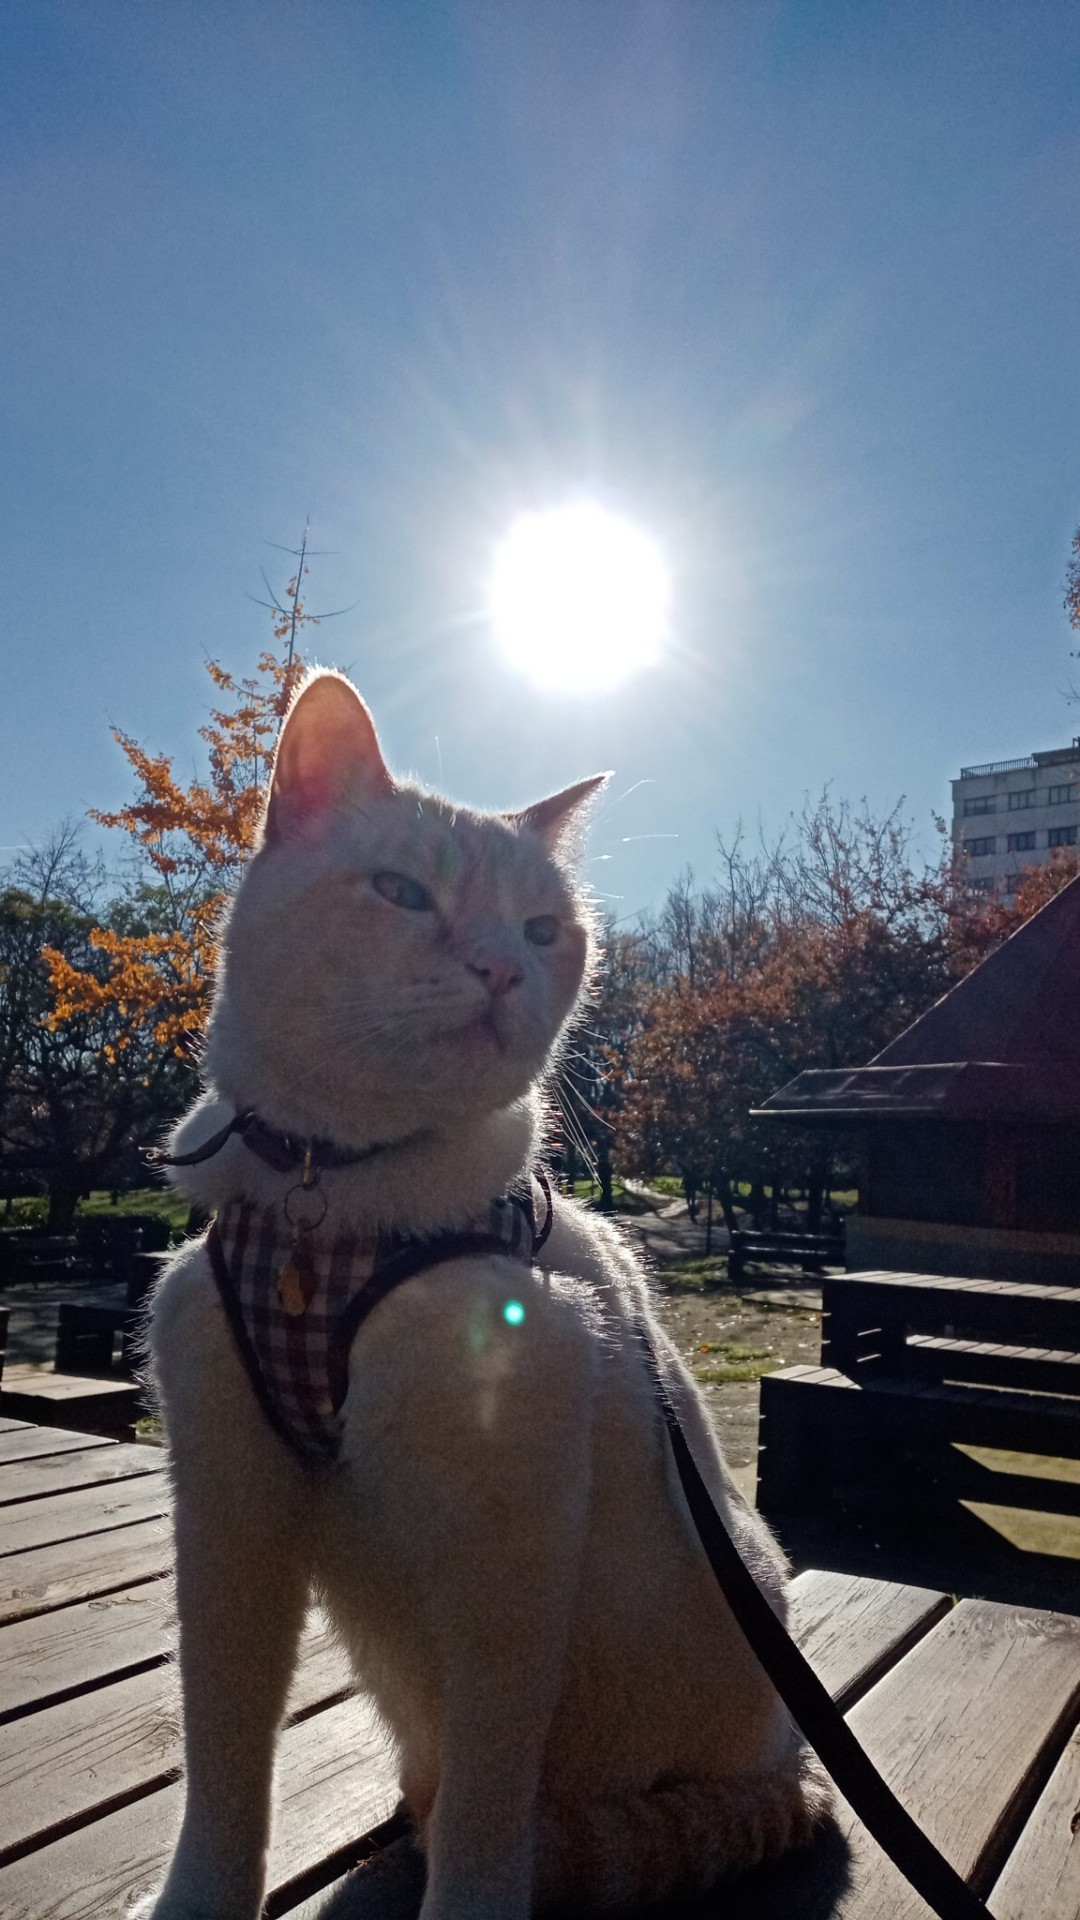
579, 597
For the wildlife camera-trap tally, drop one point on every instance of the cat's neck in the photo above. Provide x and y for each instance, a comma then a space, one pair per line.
417, 1183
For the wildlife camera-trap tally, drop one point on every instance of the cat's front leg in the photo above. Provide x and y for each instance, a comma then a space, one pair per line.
488, 1475
241, 1593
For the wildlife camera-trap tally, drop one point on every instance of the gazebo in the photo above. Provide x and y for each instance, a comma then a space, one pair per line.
970, 1122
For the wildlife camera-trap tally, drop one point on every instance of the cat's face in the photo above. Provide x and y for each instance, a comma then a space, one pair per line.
391, 962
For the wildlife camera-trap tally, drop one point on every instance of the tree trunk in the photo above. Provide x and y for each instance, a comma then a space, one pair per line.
604, 1174
728, 1205
65, 1192
708, 1220
819, 1175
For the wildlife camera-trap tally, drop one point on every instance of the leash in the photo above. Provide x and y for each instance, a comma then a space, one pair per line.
808, 1701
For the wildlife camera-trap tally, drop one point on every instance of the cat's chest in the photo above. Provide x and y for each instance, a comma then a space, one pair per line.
296, 1303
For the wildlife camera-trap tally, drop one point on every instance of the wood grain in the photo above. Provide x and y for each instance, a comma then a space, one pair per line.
67, 1472
54, 1576
77, 1647
957, 1729
1041, 1879
62, 1763
335, 1780
19, 1441
72, 1516
851, 1629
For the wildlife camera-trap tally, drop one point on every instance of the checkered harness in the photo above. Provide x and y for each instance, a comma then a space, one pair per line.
298, 1364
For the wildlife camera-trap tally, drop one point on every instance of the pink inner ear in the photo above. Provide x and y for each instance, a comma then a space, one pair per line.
328, 749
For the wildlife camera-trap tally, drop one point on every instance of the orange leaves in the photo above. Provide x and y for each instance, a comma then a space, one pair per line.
155, 985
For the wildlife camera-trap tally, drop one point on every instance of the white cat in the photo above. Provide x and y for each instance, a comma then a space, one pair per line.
491, 1517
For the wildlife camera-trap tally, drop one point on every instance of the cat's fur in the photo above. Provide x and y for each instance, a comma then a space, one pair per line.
502, 1546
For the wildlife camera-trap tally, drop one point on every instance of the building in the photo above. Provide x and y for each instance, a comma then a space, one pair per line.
1011, 814
969, 1122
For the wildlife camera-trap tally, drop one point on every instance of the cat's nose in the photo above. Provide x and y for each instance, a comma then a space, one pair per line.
499, 972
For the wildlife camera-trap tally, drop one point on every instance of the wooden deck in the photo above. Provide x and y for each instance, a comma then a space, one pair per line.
973, 1711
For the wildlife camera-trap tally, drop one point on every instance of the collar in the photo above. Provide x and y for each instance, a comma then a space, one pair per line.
278, 1149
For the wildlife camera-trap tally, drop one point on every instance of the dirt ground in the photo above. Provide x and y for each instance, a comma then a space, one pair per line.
728, 1333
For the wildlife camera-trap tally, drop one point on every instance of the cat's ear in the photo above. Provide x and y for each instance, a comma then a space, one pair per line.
560, 820
328, 749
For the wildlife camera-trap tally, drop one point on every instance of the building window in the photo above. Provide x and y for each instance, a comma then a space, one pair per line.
1025, 797
1061, 837
1021, 843
976, 848
986, 803
979, 886
1060, 797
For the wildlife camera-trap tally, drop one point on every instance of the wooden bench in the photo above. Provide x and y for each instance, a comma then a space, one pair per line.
915, 1370
39, 1257
972, 1710
87, 1339
102, 1339
811, 1252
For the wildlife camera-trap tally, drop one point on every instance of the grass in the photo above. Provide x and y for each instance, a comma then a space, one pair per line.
723, 1376
844, 1201
735, 1362
30, 1211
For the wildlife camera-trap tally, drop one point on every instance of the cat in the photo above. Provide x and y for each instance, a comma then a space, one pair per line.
498, 1535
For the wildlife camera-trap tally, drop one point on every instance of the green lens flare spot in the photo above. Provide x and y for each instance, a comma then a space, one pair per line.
513, 1313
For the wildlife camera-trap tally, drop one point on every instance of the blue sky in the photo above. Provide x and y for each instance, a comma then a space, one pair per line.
794, 285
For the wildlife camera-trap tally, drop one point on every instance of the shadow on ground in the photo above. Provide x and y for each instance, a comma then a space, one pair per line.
952, 1552
390, 1886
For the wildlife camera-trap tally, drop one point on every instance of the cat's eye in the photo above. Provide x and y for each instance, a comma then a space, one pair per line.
401, 891
542, 930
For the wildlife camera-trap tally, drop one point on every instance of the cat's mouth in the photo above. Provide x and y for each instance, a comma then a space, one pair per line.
482, 1031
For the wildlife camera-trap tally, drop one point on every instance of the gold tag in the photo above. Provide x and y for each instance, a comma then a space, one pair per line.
292, 1293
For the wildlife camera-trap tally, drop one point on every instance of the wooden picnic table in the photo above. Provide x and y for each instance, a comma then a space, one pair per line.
972, 1710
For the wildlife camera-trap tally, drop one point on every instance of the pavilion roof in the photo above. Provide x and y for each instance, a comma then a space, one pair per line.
1005, 1041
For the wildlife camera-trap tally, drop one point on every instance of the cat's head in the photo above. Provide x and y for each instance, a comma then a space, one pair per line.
392, 962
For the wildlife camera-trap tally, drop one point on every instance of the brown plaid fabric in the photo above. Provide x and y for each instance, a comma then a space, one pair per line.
298, 1363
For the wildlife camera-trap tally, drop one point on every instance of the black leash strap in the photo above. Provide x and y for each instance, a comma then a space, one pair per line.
809, 1702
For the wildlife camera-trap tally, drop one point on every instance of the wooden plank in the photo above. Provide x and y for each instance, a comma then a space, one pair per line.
1037, 1316
77, 1647
69, 1472
804, 1410
336, 1780
21, 1441
957, 1729
54, 1576
956, 1724
1042, 1875
852, 1629
109, 1742
1034, 1369
88, 1752
62, 1764
71, 1516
